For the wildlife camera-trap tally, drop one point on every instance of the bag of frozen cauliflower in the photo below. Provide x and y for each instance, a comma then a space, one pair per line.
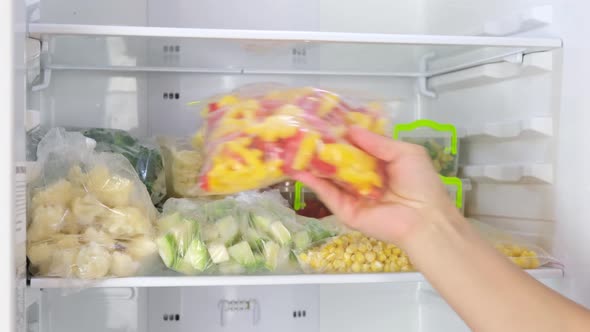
89, 214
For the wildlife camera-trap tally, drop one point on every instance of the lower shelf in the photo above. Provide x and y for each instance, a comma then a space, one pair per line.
184, 281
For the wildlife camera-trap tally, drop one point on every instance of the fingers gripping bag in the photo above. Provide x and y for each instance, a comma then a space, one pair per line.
517, 248
256, 138
251, 233
90, 216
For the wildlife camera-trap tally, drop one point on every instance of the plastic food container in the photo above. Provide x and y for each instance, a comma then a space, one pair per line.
457, 188
304, 201
439, 139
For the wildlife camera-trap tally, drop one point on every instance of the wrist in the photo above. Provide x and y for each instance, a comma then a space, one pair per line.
445, 231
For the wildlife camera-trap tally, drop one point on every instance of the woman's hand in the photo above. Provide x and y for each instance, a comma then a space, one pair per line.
414, 200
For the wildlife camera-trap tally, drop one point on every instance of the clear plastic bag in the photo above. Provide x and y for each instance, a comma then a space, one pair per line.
183, 163
353, 252
258, 137
145, 158
244, 234
90, 215
523, 253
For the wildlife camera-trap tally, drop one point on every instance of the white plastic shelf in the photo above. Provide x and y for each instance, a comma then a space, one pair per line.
527, 173
534, 127
225, 51
531, 64
305, 279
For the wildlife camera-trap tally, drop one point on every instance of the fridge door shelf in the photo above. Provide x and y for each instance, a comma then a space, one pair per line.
225, 51
304, 279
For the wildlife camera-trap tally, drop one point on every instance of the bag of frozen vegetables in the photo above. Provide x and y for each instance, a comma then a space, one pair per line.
89, 215
183, 161
248, 233
259, 137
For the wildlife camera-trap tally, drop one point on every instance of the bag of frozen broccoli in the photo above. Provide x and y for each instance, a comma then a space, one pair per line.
89, 214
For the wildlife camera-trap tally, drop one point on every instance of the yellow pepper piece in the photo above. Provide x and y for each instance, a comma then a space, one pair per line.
339, 154
227, 101
329, 101
306, 151
354, 166
359, 119
274, 128
379, 126
289, 109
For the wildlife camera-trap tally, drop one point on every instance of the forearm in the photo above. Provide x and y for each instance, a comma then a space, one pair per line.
484, 288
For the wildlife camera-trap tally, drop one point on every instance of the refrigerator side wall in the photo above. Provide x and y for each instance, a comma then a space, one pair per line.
573, 186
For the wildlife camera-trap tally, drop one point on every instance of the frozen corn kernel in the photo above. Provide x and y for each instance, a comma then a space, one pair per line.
377, 266
355, 253
355, 267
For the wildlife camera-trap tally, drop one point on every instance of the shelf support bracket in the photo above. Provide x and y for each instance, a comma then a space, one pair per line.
46, 72
423, 79
44, 83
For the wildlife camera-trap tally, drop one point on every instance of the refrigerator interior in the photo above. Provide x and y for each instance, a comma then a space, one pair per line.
509, 109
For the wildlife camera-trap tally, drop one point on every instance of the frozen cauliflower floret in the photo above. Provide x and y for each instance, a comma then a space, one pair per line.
46, 221
92, 235
40, 253
77, 177
123, 265
111, 190
63, 264
126, 222
63, 241
86, 209
141, 247
59, 193
70, 224
93, 261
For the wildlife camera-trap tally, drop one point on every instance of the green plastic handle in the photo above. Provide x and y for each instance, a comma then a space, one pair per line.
298, 202
441, 127
453, 181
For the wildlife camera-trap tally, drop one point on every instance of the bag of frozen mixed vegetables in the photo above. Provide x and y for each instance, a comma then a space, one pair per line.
89, 214
257, 138
248, 233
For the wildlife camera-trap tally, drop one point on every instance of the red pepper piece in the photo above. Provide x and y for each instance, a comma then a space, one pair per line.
204, 182
322, 168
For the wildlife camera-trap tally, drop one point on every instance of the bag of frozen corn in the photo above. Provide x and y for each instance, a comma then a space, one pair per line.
90, 216
255, 138
517, 248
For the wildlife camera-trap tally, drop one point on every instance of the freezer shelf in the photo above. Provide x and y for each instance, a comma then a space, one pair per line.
221, 51
181, 281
